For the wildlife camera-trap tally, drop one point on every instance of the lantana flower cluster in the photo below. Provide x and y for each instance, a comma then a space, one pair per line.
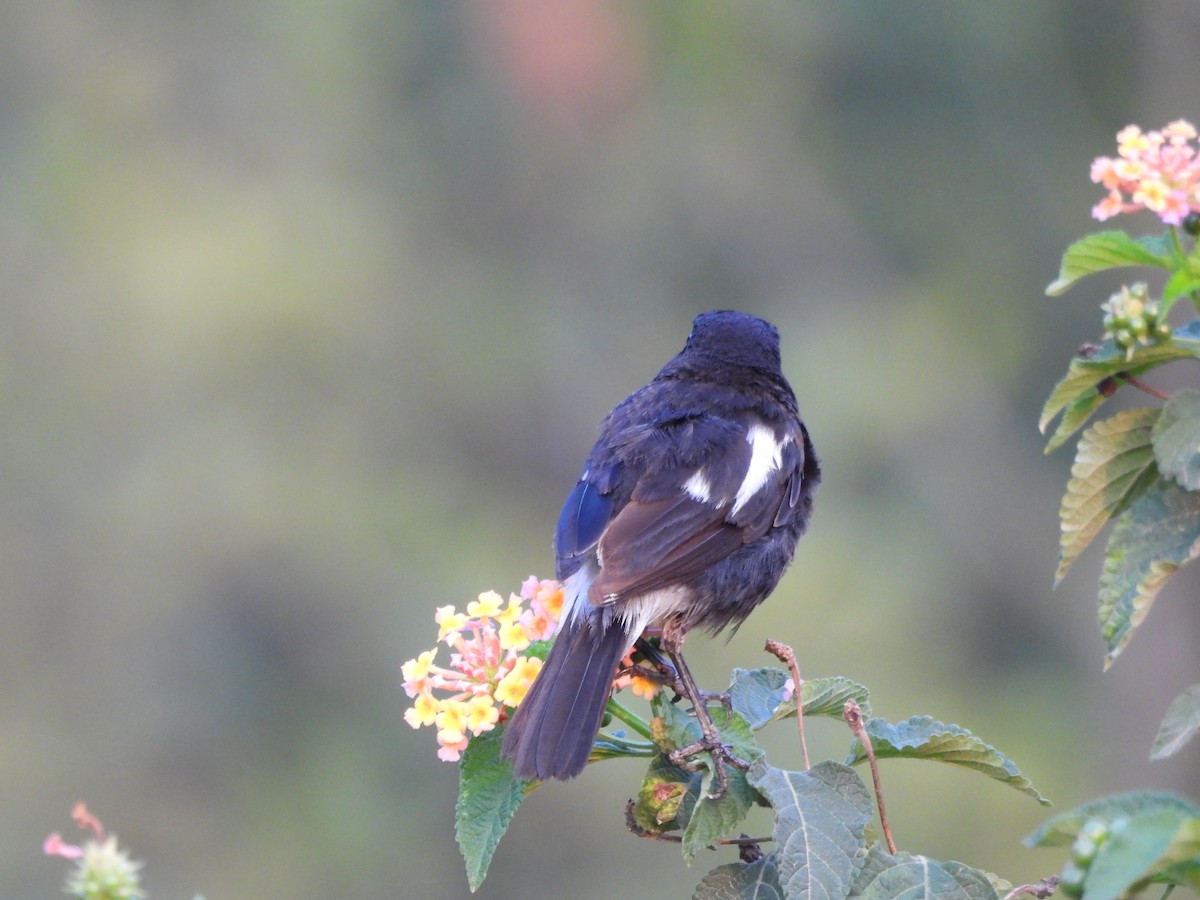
493, 661
489, 668
1153, 170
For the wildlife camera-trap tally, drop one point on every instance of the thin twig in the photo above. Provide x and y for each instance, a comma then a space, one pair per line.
852, 716
1143, 386
787, 656
631, 823
1042, 889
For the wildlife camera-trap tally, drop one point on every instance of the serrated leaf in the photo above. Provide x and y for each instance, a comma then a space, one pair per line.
1158, 533
1105, 250
1114, 463
820, 818
912, 876
758, 696
1180, 724
708, 820
1077, 395
488, 796
1074, 416
1177, 438
921, 737
758, 880
1061, 830
828, 696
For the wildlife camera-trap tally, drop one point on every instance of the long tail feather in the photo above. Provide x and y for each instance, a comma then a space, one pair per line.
552, 731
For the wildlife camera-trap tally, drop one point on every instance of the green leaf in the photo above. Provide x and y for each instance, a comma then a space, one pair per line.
667, 796
1079, 393
1177, 438
1061, 830
758, 880
910, 875
820, 818
877, 860
488, 796
1114, 464
1180, 283
1179, 725
758, 696
1105, 250
1146, 835
924, 738
709, 820
1158, 533
1075, 414
1138, 848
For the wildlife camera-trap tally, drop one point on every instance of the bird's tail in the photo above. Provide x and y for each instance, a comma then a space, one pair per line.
552, 731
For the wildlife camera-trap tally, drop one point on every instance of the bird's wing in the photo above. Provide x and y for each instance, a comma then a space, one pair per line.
731, 482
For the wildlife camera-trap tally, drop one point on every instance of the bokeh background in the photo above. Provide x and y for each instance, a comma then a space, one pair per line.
309, 312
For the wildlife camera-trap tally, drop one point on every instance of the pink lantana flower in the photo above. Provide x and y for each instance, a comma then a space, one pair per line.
1158, 171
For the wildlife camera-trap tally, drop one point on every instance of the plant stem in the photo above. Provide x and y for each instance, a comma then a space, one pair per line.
852, 716
635, 722
1181, 264
786, 655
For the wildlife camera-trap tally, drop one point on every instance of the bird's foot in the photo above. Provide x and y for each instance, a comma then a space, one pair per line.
721, 755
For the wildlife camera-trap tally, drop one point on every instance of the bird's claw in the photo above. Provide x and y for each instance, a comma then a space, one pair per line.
721, 755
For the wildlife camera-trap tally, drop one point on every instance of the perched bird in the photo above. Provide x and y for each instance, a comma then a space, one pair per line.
686, 514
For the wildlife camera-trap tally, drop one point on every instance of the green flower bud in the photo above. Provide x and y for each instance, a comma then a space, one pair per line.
1091, 837
1071, 880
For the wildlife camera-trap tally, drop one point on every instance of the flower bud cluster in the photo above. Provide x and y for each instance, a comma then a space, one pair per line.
1131, 317
1094, 834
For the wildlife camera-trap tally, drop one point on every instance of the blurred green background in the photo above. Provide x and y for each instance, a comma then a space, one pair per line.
309, 314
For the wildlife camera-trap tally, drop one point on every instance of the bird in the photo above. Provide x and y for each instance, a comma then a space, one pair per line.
686, 514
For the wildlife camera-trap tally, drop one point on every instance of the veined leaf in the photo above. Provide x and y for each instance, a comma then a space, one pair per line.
488, 796
1180, 724
878, 860
1177, 438
1078, 395
758, 880
1158, 533
1105, 250
921, 737
758, 696
820, 818
1114, 463
910, 875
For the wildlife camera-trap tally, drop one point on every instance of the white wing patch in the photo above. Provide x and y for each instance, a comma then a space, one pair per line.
766, 456
698, 488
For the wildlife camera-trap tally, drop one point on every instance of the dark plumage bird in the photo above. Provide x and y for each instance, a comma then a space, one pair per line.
686, 514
